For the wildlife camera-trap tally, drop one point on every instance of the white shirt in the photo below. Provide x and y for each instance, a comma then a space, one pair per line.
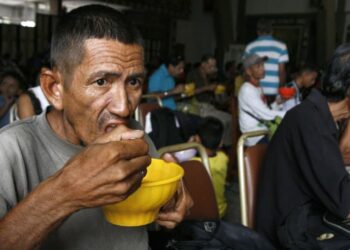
38, 92
250, 100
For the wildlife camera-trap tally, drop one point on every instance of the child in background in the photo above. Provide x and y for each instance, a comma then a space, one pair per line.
210, 136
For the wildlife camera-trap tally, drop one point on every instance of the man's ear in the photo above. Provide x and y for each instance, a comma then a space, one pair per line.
52, 85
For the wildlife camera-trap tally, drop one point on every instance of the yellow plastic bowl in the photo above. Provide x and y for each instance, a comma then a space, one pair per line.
220, 89
190, 88
142, 207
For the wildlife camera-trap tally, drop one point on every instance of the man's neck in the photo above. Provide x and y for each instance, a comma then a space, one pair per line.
203, 75
254, 81
298, 82
59, 126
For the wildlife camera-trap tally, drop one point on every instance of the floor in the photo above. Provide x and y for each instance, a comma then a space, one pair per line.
233, 206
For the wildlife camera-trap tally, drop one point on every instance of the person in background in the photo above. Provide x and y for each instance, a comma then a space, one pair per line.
162, 81
33, 101
275, 66
209, 135
11, 82
202, 76
239, 79
253, 108
303, 174
59, 168
304, 78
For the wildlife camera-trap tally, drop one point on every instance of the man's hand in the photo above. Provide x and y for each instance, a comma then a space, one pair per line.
106, 172
176, 209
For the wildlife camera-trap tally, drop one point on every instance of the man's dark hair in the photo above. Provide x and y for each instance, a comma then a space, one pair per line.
210, 132
15, 74
87, 22
206, 57
336, 80
306, 67
174, 60
264, 26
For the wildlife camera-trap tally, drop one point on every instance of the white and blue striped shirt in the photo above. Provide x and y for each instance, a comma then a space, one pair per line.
277, 53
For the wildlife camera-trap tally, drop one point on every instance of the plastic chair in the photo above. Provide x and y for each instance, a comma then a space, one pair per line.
145, 107
249, 162
198, 182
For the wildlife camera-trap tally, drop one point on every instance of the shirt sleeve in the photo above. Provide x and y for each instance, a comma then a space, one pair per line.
284, 58
8, 188
253, 103
321, 164
154, 84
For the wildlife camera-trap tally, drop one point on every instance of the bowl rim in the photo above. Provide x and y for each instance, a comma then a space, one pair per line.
167, 181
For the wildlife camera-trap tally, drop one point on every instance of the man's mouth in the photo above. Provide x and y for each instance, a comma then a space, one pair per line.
112, 125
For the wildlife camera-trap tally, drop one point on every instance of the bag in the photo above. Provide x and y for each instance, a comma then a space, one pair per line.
304, 229
340, 225
271, 125
216, 235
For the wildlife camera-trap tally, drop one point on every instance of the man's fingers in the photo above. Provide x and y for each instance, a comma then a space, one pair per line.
122, 170
126, 149
119, 133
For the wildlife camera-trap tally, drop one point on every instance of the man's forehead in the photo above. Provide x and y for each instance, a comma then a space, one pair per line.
96, 46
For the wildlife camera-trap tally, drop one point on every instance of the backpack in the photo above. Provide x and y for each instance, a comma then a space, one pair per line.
215, 235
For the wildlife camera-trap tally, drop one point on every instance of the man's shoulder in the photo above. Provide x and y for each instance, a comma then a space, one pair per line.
18, 128
267, 43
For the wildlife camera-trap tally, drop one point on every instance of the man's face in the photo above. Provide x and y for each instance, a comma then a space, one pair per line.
256, 71
210, 67
177, 70
104, 89
9, 87
308, 78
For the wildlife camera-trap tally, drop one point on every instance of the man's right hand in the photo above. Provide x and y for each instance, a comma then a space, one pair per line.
107, 171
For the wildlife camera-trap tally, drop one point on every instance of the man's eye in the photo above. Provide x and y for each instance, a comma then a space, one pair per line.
134, 82
101, 82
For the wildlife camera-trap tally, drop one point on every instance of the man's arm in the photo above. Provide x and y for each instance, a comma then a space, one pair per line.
25, 107
111, 172
282, 73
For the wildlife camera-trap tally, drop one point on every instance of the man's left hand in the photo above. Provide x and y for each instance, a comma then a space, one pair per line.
176, 209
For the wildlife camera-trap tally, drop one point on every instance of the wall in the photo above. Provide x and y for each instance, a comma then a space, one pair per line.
196, 33
256, 7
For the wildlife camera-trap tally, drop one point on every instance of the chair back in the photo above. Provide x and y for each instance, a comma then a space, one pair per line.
145, 107
249, 162
198, 182
200, 187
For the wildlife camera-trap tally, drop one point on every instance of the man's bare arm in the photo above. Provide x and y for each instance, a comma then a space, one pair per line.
111, 173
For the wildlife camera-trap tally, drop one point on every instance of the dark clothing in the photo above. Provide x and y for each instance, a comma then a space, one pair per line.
303, 164
196, 77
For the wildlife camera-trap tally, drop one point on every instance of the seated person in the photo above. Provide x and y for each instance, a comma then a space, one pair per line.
33, 101
202, 76
304, 173
162, 81
59, 168
11, 82
210, 136
253, 108
304, 78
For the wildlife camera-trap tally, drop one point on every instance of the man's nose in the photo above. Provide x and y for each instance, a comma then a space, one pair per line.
119, 104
